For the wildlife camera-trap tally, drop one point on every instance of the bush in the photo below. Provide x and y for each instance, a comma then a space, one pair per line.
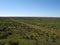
47, 34
36, 43
13, 43
31, 37
2, 43
4, 35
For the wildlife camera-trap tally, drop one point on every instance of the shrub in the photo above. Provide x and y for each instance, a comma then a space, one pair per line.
5, 35
13, 43
2, 43
36, 43
47, 34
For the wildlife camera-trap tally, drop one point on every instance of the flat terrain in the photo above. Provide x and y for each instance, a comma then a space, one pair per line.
29, 31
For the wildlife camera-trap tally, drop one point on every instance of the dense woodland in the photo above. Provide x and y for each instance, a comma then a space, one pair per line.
29, 31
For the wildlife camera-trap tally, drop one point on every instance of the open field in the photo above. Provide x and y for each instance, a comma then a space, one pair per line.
29, 31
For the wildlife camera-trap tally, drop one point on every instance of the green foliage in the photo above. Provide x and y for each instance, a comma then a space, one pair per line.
29, 31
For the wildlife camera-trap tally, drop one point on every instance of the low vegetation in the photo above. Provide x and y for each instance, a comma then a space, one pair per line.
29, 31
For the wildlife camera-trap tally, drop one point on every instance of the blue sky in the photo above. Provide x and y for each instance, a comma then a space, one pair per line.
39, 8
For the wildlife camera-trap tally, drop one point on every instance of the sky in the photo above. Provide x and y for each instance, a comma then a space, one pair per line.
30, 8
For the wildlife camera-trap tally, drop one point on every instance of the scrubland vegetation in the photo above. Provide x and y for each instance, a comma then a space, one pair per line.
29, 31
